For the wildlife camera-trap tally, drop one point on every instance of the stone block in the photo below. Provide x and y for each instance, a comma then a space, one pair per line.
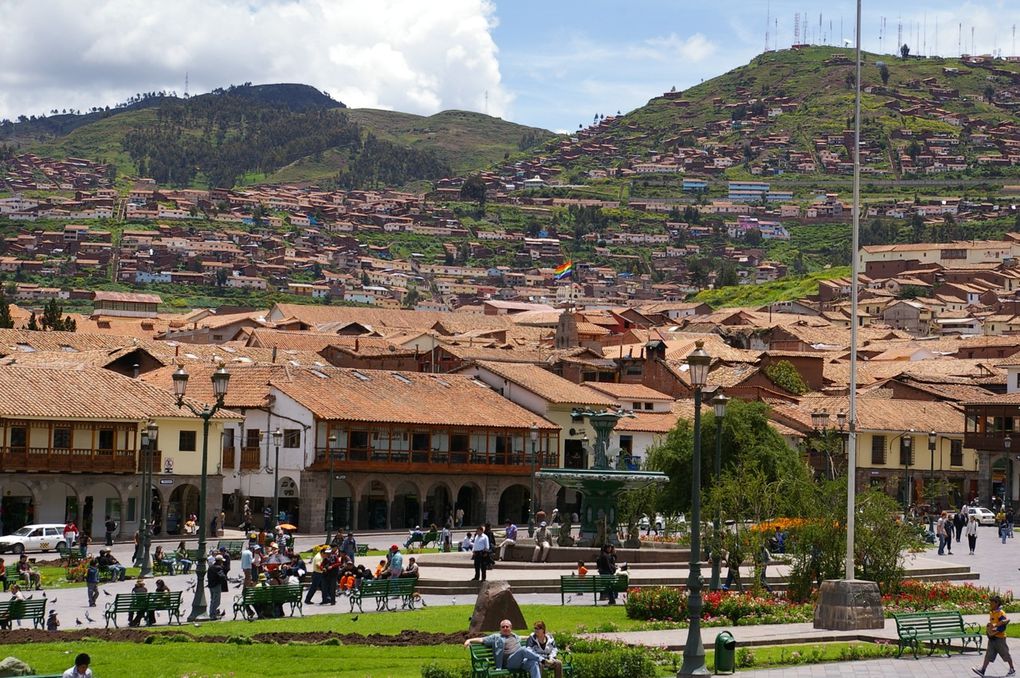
849, 604
495, 603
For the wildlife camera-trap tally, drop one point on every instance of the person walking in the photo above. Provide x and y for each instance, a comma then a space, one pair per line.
316, 578
92, 581
959, 522
480, 553
111, 527
216, 579
972, 533
606, 565
995, 629
1003, 527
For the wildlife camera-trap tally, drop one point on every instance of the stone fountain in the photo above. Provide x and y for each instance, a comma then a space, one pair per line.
601, 485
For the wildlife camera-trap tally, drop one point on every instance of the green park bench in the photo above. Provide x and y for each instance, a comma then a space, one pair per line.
32, 608
131, 603
13, 576
255, 596
593, 584
384, 589
70, 556
234, 547
423, 543
938, 628
483, 663
362, 549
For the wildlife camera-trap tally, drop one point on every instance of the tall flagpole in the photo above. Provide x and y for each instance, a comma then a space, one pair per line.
851, 474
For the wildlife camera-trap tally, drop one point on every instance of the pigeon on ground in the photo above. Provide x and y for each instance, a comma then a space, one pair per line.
52, 600
105, 592
88, 617
354, 618
77, 622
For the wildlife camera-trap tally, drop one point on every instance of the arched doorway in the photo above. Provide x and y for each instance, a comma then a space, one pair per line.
374, 507
469, 500
290, 499
343, 505
406, 506
182, 503
437, 505
513, 504
17, 507
156, 504
101, 499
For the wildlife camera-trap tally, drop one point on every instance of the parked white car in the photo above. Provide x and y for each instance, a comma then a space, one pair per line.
984, 516
44, 537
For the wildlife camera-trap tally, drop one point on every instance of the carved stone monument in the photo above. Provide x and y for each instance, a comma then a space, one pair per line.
495, 603
849, 604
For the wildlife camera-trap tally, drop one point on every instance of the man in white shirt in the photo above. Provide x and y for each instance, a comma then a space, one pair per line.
480, 553
81, 667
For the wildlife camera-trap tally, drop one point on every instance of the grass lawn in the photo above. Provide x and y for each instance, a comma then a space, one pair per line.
172, 660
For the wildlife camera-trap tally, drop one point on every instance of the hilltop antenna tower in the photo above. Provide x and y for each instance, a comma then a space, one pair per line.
959, 39
486, 102
973, 49
936, 36
775, 34
820, 38
1014, 41
768, 21
796, 28
185, 84
899, 33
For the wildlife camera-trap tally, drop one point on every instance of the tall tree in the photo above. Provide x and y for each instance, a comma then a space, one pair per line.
6, 322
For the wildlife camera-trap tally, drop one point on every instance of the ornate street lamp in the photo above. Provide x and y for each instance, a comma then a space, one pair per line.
698, 363
719, 402
330, 444
277, 439
149, 435
220, 381
932, 443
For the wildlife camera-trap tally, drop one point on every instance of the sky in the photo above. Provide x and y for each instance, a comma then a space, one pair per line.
549, 63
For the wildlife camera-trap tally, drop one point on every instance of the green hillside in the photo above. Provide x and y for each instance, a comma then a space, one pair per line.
310, 138
814, 88
767, 293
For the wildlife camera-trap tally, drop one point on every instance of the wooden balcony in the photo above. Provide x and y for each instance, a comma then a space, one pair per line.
431, 461
991, 442
251, 458
62, 460
228, 459
157, 461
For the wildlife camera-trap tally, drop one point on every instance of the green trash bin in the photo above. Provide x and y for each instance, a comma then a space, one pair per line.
725, 653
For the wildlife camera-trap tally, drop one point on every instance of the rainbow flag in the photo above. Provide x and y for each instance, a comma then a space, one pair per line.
561, 272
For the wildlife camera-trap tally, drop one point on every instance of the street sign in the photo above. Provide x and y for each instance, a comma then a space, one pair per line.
168, 466
166, 481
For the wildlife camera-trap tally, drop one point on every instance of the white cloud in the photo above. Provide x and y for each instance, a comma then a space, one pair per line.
399, 54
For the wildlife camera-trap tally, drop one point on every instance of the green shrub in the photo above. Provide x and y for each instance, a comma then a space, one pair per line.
434, 670
784, 375
615, 663
663, 603
239, 640
330, 641
745, 657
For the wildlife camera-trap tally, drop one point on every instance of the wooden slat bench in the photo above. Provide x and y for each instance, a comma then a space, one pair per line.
132, 603
234, 547
593, 584
483, 663
362, 549
254, 596
384, 589
938, 628
33, 609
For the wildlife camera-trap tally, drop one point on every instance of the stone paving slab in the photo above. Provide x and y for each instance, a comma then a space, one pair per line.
955, 666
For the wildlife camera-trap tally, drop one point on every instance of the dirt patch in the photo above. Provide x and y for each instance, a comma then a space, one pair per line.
407, 637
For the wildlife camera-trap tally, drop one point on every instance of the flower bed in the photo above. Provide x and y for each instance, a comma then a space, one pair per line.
667, 606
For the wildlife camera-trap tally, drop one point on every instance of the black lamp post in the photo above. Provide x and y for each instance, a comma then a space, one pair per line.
220, 380
330, 443
820, 423
1007, 444
694, 651
907, 442
719, 402
149, 435
277, 439
932, 443
533, 433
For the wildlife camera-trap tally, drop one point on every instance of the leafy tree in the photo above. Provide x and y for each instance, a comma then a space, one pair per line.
799, 267
32, 323
784, 375
989, 93
727, 275
904, 51
6, 322
883, 71
473, 190
747, 438
53, 318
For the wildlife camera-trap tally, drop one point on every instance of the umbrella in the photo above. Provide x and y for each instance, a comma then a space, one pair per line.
287, 526
277, 559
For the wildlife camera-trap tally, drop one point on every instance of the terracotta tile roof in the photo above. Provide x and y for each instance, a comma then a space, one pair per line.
627, 391
1006, 399
881, 414
132, 297
248, 386
405, 398
24, 341
546, 385
85, 393
386, 317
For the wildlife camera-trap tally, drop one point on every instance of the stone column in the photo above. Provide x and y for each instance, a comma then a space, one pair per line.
986, 460
313, 502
